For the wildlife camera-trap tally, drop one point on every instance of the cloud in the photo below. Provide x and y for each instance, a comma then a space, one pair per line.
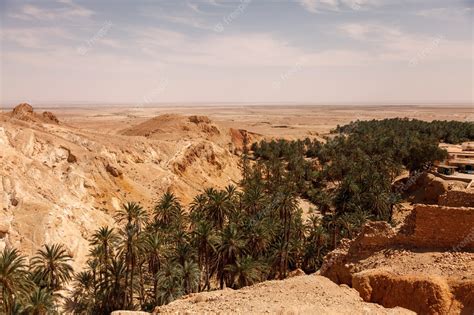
261, 50
316, 6
392, 44
35, 38
69, 11
367, 31
446, 14
183, 18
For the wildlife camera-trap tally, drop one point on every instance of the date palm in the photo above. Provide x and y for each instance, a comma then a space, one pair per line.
130, 247
14, 278
155, 256
168, 210
190, 274
170, 283
82, 299
204, 240
219, 207
40, 302
51, 266
104, 240
286, 204
134, 218
244, 272
231, 246
114, 290
132, 213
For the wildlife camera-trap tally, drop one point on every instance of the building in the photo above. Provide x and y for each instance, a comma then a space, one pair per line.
460, 159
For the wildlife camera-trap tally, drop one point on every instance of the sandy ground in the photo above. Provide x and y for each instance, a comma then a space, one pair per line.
289, 121
298, 295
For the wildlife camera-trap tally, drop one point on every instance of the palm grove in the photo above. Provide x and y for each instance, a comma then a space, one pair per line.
239, 235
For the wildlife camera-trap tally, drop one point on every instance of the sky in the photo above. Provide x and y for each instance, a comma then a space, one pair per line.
238, 51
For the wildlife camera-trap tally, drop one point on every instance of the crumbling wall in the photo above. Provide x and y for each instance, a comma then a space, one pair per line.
457, 198
440, 227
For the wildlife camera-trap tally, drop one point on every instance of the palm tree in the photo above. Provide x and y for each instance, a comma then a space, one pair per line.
198, 207
230, 247
168, 210
333, 225
131, 245
134, 217
132, 213
246, 271
316, 242
51, 266
253, 199
258, 234
155, 256
204, 240
170, 283
82, 299
40, 302
14, 277
219, 207
286, 204
191, 275
104, 240
115, 289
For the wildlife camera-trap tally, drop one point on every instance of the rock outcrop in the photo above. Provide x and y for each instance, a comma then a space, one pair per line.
25, 112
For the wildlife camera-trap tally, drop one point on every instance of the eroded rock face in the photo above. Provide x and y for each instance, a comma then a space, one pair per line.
59, 183
422, 294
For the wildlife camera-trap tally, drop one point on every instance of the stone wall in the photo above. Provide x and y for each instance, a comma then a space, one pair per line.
457, 198
440, 227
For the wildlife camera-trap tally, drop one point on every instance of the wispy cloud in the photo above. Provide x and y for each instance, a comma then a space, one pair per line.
69, 10
35, 38
261, 49
316, 6
187, 18
447, 13
392, 44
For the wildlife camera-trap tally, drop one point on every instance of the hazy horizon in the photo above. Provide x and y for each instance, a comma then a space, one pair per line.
314, 52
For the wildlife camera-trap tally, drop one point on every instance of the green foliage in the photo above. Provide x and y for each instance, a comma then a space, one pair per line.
33, 289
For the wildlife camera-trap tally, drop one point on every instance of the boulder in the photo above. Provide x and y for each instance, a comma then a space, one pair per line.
114, 171
23, 109
199, 119
48, 116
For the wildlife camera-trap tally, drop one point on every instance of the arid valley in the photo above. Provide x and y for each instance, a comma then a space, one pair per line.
66, 173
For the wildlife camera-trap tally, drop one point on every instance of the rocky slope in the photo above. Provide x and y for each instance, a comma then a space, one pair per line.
59, 183
298, 295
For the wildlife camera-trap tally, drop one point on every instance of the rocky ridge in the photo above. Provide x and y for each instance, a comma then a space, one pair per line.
59, 183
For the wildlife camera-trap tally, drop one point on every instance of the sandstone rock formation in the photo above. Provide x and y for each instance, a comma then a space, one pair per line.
59, 183
25, 112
